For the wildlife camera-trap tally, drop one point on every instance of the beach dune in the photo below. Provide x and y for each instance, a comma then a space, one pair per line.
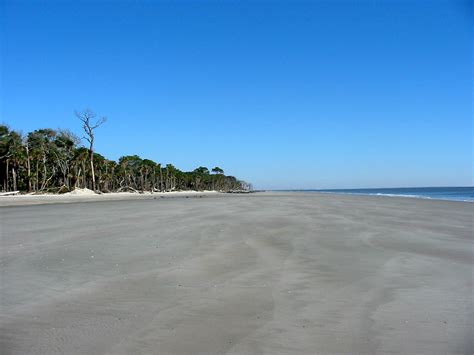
265, 273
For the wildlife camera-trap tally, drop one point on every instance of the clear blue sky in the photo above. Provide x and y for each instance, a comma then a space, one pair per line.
287, 94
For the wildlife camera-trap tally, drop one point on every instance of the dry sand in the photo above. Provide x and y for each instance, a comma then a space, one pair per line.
267, 273
86, 195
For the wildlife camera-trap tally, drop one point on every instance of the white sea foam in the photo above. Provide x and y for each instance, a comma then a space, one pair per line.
401, 195
380, 194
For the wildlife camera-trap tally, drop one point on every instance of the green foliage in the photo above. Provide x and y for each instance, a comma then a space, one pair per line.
217, 170
53, 160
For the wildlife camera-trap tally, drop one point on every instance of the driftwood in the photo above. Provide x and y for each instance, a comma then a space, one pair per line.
63, 189
10, 193
125, 188
45, 183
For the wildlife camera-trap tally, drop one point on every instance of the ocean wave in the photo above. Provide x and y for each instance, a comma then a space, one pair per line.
400, 195
444, 198
381, 194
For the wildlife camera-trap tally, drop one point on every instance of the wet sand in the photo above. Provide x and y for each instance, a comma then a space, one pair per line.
265, 273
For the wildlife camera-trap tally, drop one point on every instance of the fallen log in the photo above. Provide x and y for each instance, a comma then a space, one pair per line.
10, 193
130, 189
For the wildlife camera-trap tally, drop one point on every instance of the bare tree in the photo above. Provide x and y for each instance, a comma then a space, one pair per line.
89, 124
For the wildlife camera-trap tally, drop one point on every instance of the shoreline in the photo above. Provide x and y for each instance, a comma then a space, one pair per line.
415, 197
46, 199
378, 194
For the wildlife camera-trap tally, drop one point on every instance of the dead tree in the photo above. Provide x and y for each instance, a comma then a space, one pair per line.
89, 124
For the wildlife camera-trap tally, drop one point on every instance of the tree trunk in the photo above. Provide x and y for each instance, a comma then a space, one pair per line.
37, 175
14, 178
83, 174
161, 179
78, 181
7, 178
154, 180
28, 167
44, 172
92, 169
65, 182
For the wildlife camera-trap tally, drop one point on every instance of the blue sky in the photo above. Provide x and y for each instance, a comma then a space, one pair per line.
284, 94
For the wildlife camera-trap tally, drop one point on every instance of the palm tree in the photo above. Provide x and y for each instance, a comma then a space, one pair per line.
65, 142
12, 154
218, 171
79, 163
17, 155
54, 160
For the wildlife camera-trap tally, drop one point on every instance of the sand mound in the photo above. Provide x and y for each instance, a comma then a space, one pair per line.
85, 191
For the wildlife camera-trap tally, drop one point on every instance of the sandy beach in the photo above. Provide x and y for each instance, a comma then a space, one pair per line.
90, 196
264, 273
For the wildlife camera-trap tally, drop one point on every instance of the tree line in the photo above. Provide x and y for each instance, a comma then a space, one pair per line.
48, 160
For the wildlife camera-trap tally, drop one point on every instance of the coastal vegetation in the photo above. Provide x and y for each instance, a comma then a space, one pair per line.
54, 160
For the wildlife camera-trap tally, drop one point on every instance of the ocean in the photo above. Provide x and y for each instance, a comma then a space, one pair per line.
438, 193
